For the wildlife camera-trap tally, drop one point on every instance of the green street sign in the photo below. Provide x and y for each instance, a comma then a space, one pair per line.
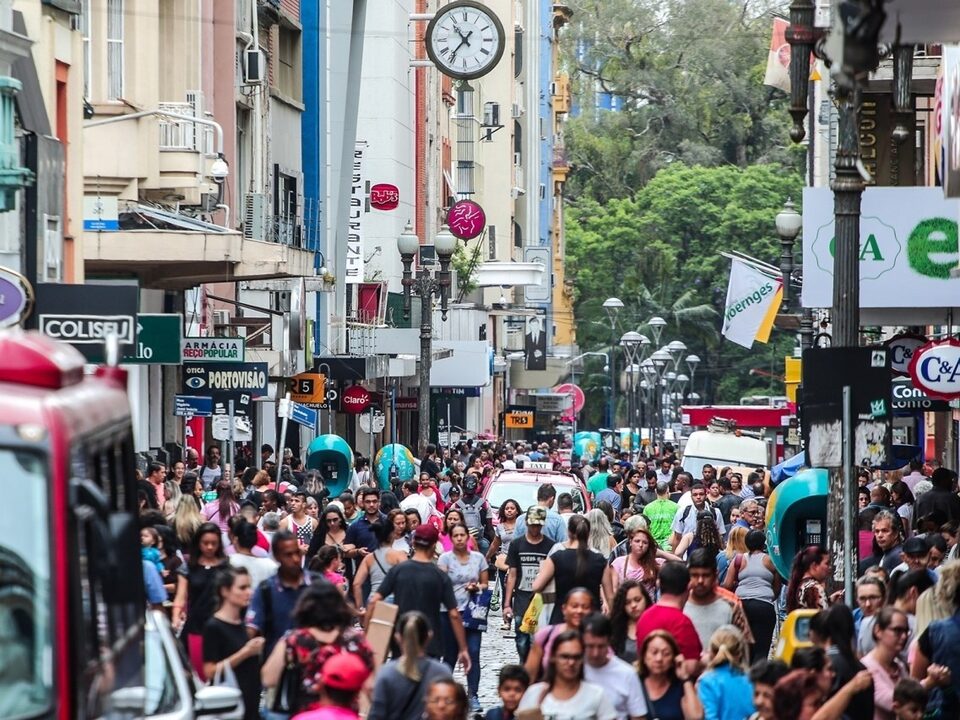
158, 340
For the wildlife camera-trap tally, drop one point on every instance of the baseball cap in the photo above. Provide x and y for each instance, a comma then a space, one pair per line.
915, 546
425, 535
537, 516
344, 671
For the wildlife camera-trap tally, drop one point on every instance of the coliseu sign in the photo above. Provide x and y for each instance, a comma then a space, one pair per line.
935, 369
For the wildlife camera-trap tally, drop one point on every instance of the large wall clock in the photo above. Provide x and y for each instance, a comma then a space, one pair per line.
465, 39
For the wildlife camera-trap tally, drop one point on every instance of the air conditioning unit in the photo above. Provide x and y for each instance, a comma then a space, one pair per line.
254, 67
491, 114
516, 191
254, 216
221, 317
516, 110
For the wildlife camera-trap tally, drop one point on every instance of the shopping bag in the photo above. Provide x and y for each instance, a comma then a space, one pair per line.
530, 620
474, 613
226, 677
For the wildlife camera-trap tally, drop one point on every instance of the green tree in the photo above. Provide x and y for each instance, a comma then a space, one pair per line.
659, 251
689, 76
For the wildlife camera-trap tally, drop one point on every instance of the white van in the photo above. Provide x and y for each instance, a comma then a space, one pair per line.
719, 448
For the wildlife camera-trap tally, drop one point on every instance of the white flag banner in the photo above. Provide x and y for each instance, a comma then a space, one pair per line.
753, 298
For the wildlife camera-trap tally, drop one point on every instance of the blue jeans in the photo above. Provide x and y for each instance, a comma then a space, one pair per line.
523, 640
451, 650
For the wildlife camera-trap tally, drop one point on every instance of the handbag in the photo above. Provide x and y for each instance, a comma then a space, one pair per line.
226, 677
474, 613
287, 696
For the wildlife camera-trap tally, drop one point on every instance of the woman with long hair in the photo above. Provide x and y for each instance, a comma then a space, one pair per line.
724, 689
331, 530
628, 605
601, 538
172, 493
667, 687
755, 580
705, 535
196, 599
834, 631
452, 518
564, 695
505, 533
576, 566
468, 572
576, 605
225, 638
376, 565
220, 511
901, 497
890, 633
810, 569
871, 593
323, 627
736, 545
640, 563
186, 520
401, 684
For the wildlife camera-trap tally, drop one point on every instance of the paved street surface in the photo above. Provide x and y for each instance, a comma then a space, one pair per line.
497, 650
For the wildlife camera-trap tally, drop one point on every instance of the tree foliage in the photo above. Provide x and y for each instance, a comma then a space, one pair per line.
689, 75
659, 251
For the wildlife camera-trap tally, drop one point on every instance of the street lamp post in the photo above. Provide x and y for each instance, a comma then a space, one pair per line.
573, 377
788, 222
660, 359
632, 342
613, 306
425, 285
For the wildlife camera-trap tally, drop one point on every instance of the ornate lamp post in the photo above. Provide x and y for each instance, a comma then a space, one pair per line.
425, 285
788, 222
612, 306
631, 342
660, 359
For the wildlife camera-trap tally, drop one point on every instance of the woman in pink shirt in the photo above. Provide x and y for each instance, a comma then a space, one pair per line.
220, 511
890, 632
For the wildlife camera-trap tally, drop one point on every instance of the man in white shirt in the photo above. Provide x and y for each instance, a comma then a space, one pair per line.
413, 500
619, 681
686, 518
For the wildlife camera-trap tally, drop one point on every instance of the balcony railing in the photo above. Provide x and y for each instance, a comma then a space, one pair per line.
183, 135
560, 159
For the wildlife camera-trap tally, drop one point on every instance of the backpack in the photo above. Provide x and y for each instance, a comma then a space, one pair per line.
472, 512
706, 506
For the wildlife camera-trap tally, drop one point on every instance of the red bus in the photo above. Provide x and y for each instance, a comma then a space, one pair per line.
71, 579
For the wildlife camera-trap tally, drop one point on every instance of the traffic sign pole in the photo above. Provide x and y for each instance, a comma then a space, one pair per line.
231, 434
283, 427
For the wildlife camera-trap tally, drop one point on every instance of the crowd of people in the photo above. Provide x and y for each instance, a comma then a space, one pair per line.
659, 602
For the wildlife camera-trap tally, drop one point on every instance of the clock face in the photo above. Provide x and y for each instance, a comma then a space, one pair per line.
465, 39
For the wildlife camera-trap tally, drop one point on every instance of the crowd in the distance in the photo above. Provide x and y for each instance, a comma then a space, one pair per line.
659, 602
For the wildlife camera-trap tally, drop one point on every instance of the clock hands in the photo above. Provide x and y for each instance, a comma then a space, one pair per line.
464, 40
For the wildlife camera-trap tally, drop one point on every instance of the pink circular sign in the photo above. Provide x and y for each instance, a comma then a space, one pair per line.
579, 400
466, 219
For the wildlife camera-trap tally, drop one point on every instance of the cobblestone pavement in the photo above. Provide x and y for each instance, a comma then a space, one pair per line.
498, 649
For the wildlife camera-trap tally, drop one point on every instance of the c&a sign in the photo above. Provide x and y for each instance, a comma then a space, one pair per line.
935, 369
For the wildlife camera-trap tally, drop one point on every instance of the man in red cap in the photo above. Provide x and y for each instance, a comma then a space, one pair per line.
342, 678
418, 584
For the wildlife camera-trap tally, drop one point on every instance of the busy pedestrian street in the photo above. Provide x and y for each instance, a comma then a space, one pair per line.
480, 360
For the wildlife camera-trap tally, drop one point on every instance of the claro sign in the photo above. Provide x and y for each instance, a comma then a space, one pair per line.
935, 369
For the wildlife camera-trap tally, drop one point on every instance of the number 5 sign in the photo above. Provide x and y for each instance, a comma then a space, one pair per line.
309, 389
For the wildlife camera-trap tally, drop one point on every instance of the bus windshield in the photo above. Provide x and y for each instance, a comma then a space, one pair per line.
26, 653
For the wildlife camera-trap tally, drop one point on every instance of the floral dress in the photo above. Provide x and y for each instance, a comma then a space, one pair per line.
310, 655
